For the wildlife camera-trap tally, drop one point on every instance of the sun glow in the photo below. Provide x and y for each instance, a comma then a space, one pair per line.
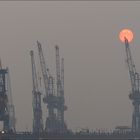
126, 33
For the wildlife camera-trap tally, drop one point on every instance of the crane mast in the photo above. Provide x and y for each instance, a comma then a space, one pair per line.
37, 111
135, 93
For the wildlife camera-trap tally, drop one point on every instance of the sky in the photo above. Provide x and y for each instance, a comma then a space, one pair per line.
97, 82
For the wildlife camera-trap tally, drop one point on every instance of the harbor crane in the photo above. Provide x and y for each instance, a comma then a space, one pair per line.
37, 110
126, 36
60, 90
135, 92
50, 99
7, 111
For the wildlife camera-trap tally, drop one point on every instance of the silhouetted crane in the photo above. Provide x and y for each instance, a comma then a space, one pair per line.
135, 92
37, 110
50, 99
60, 91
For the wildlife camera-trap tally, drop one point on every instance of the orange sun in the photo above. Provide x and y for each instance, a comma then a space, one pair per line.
126, 33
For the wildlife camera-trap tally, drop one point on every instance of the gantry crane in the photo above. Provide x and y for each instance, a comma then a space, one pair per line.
7, 112
50, 99
60, 91
135, 92
37, 110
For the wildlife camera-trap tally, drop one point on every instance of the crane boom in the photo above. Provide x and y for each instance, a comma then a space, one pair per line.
58, 72
43, 67
34, 75
62, 74
134, 76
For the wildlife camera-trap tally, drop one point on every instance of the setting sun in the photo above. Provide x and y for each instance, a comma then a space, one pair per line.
126, 33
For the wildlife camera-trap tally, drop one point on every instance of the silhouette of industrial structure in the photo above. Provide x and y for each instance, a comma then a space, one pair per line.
37, 110
7, 112
55, 119
55, 126
135, 92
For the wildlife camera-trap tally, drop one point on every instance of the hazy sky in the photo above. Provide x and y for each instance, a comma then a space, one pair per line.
96, 76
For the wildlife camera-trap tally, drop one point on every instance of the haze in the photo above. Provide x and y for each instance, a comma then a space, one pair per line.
96, 76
